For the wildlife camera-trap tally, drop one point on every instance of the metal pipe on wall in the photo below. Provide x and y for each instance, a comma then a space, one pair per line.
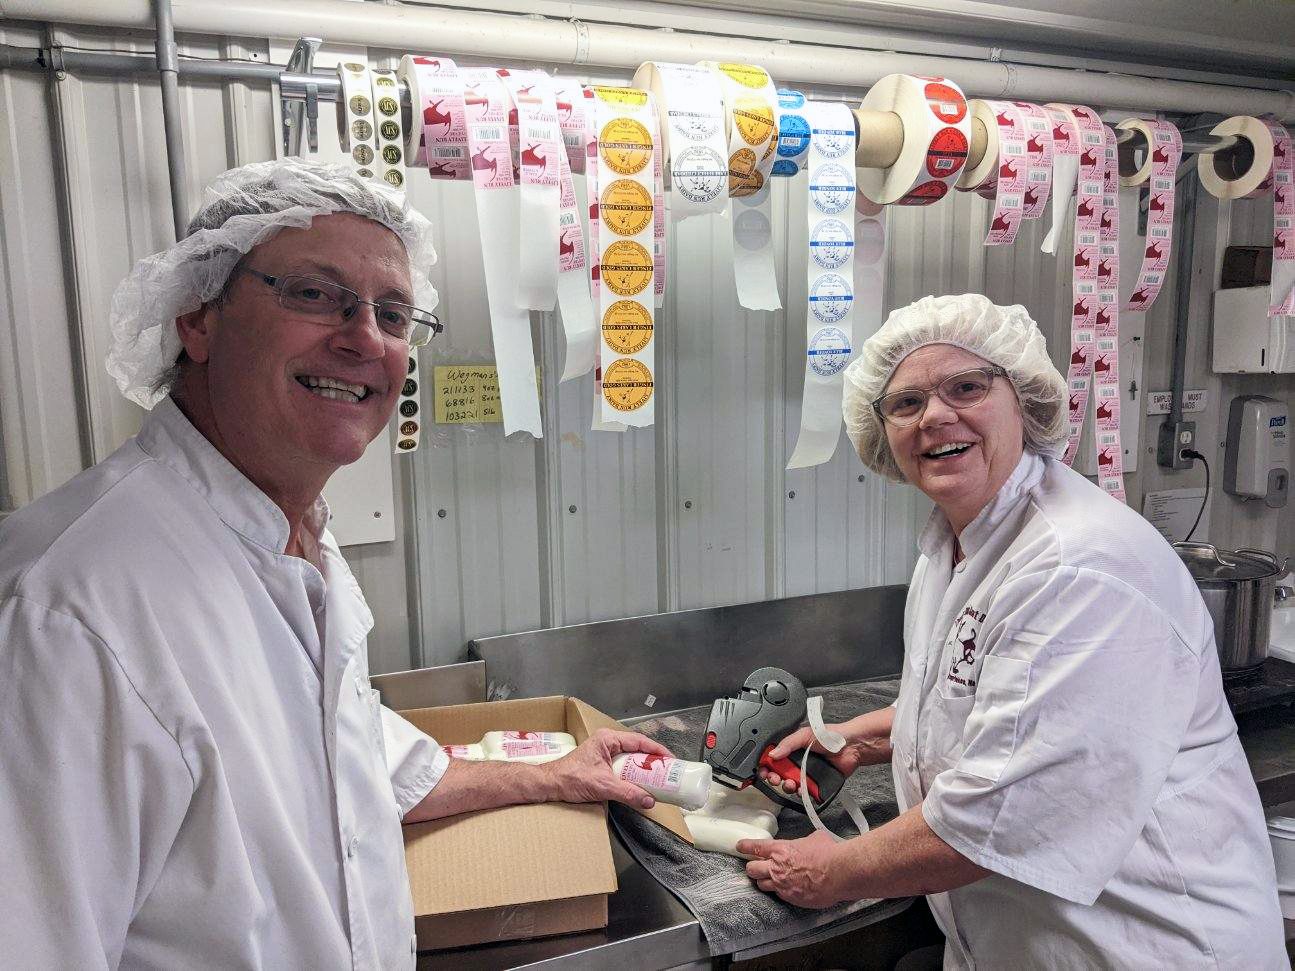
169, 69
480, 34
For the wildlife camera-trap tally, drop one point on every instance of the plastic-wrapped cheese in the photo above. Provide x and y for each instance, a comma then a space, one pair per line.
731, 815
470, 753
532, 747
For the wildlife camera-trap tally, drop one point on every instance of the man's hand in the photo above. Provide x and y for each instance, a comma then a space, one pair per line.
801, 872
586, 774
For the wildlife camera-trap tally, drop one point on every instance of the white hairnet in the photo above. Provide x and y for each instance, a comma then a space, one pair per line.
242, 208
1005, 336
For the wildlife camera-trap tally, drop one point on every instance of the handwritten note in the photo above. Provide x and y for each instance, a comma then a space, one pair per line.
468, 394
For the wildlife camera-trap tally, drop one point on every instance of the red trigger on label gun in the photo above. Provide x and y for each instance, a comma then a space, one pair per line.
788, 770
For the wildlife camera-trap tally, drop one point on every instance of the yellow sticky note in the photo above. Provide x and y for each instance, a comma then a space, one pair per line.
468, 394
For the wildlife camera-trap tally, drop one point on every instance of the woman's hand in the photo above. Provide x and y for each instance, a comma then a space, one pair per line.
801, 871
867, 742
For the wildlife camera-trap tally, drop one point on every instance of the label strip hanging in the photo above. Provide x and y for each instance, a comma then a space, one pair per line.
751, 113
624, 213
535, 156
1001, 175
486, 104
1106, 364
1038, 155
1159, 170
830, 268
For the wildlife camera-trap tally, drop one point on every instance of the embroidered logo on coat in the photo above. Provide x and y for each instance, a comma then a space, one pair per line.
962, 641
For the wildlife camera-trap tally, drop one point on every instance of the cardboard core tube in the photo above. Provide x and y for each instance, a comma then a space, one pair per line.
881, 137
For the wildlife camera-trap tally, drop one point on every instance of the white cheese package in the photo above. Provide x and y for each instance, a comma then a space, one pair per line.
751, 114
1272, 170
693, 142
1164, 150
670, 780
525, 746
355, 118
937, 135
624, 212
830, 268
729, 816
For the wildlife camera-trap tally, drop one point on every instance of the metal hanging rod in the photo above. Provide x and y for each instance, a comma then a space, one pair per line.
302, 88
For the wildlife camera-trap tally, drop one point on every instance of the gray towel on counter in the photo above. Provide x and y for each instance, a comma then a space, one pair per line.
734, 914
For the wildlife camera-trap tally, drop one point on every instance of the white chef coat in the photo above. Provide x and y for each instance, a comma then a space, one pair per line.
192, 764
1061, 720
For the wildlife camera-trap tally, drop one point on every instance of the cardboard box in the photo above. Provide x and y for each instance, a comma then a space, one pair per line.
519, 871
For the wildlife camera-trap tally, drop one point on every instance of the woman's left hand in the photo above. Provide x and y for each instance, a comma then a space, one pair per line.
801, 872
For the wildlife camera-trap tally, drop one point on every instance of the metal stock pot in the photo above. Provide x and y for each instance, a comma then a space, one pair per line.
1238, 589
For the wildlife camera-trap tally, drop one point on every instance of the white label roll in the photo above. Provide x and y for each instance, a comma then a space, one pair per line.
693, 139
438, 134
937, 133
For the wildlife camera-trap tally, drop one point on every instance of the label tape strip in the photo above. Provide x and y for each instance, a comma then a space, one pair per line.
539, 146
1065, 171
833, 742
389, 134
486, 104
1038, 156
751, 114
1164, 152
1106, 365
828, 318
1002, 175
624, 212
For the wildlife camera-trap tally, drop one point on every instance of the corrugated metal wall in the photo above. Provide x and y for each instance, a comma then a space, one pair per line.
496, 535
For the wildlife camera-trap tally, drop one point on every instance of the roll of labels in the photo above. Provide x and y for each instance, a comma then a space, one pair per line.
712, 137
1269, 166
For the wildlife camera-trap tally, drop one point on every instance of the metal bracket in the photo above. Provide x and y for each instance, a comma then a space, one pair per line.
305, 113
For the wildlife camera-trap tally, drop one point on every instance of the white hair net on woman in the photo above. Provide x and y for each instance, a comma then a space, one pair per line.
242, 208
1005, 336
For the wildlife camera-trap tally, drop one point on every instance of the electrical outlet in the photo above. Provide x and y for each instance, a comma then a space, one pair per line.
1173, 438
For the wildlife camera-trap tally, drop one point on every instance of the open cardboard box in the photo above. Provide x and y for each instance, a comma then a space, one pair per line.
519, 871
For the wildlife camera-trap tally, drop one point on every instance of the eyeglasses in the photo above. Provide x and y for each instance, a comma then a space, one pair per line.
962, 390
325, 299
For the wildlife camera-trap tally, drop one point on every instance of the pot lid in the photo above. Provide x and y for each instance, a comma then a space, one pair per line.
1207, 562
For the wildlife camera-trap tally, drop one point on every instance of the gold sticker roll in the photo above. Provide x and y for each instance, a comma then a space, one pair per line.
626, 207
627, 384
627, 327
625, 145
626, 268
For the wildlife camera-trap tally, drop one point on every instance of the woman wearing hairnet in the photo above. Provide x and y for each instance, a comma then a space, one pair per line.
1071, 786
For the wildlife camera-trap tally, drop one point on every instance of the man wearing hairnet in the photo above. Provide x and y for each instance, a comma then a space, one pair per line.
1071, 786
194, 772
